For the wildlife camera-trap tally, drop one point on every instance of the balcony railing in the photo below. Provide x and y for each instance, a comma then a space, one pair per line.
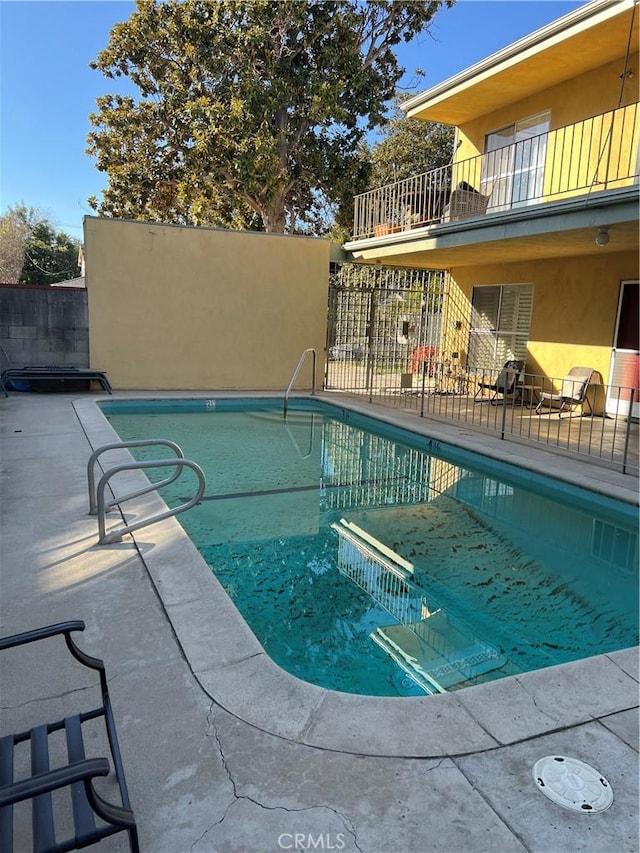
596, 154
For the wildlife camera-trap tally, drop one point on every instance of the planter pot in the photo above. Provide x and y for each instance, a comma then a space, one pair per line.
385, 228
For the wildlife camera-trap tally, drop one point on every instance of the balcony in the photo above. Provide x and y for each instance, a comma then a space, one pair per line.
600, 153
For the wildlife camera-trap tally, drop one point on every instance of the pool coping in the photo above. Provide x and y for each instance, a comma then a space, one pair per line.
234, 670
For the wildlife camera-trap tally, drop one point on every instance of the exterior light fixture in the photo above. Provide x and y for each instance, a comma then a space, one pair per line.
602, 237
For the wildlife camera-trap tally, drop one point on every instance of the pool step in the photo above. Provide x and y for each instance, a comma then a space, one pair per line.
438, 652
294, 418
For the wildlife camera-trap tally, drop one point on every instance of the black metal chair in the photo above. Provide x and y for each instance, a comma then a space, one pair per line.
77, 774
505, 384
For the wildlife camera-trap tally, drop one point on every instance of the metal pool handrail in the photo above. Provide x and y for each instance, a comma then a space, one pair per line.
294, 376
118, 445
295, 443
117, 534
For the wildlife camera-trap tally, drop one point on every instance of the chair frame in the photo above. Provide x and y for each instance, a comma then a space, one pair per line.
464, 202
78, 774
506, 382
577, 382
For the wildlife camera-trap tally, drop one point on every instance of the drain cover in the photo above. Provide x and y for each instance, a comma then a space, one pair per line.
572, 784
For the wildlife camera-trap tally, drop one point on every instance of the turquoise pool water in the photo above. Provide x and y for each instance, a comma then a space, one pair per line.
370, 560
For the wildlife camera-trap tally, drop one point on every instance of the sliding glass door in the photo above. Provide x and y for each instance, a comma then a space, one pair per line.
513, 163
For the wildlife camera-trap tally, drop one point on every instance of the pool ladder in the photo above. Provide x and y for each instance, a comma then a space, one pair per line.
99, 506
294, 376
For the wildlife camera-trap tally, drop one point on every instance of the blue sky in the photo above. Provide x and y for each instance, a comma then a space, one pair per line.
47, 89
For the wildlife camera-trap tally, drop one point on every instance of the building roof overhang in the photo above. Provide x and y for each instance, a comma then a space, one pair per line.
591, 36
549, 230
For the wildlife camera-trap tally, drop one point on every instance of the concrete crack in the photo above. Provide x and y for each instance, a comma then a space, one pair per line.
439, 764
622, 669
212, 731
535, 704
43, 699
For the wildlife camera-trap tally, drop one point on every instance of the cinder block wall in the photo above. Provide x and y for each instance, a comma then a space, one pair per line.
183, 308
44, 325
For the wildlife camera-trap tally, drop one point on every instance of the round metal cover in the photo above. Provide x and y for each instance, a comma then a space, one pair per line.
572, 784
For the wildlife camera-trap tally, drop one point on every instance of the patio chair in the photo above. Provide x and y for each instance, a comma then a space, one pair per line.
465, 201
573, 391
505, 384
424, 360
91, 817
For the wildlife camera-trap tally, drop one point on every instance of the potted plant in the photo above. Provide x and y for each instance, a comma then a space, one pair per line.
384, 228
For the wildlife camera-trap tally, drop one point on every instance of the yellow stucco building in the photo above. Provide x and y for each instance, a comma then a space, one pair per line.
536, 219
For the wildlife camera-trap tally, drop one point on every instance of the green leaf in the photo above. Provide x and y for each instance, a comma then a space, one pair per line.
248, 114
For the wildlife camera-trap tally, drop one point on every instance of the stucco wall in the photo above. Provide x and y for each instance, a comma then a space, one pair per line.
575, 303
584, 96
44, 325
195, 308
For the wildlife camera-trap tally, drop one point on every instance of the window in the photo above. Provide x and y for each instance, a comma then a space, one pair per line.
513, 163
500, 324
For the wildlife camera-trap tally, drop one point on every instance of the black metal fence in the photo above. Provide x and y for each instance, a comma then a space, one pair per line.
382, 322
385, 342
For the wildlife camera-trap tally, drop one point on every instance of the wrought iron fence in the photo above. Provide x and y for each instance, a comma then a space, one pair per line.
378, 318
538, 409
596, 154
393, 339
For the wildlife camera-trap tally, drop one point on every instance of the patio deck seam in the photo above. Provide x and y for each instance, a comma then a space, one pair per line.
491, 806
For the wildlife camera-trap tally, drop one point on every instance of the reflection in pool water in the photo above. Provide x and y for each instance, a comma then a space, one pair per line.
387, 564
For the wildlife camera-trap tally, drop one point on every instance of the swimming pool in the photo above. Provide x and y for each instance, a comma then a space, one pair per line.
370, 560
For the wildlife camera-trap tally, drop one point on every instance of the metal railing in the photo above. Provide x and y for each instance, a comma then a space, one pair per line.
595, 154
98, 505
123, 445
294, 440
294, 376
604, 428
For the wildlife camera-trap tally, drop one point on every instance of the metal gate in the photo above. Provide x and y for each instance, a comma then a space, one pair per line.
385, 327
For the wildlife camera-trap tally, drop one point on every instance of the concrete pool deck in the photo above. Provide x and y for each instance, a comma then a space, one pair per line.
223, 750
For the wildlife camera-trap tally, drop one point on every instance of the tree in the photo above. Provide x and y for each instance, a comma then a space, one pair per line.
51, 256
32, 251
14, 233
409, 148
250, 114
